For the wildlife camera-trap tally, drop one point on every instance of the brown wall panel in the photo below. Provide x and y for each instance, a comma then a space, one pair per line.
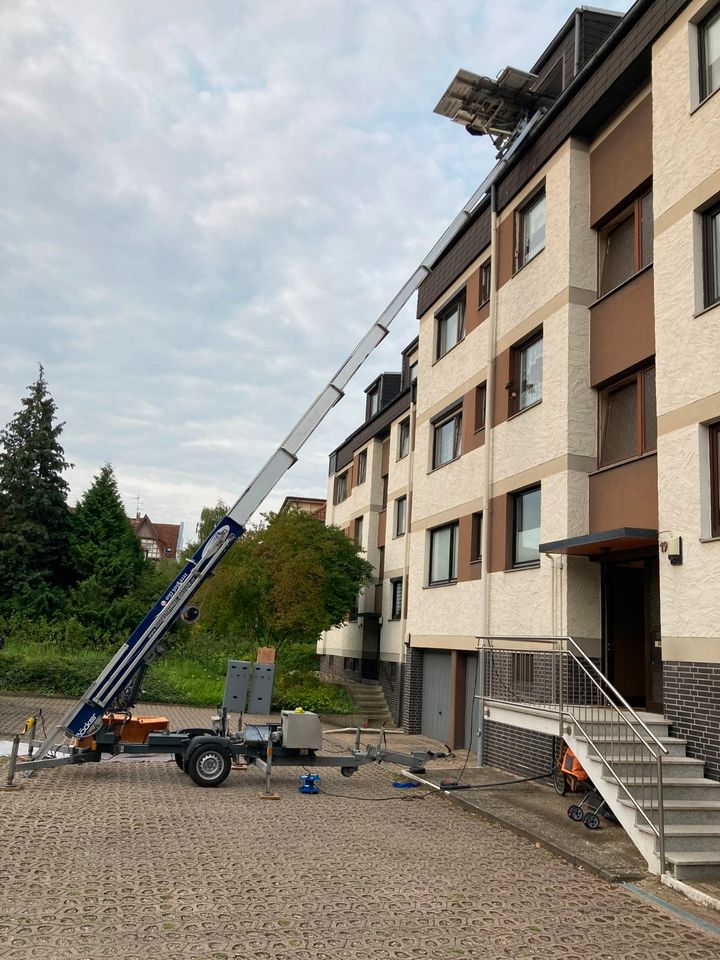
499, 527
622, 328
456, 732
506, 250
502, 376
625, 496
471, 438
466, 569
622, 162
474, 315
382, 524
385, 462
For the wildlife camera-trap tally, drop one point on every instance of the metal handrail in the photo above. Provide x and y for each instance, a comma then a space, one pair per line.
567, 649
616, 693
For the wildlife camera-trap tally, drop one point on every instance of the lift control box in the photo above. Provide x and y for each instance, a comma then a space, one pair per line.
301, 731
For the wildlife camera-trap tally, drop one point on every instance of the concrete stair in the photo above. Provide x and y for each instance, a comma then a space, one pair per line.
369, 699
691, 802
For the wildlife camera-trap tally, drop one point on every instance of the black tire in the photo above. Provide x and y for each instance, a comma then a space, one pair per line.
180, 760
559, 782
592, 821
347, 771
209, 765
575, 812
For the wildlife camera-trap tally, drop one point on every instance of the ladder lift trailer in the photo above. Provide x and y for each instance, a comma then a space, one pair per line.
95, 722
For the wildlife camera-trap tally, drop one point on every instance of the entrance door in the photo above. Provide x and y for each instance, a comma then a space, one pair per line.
632, 630
369, 665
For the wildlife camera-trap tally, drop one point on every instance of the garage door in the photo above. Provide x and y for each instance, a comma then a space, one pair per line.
436, 695
471, 705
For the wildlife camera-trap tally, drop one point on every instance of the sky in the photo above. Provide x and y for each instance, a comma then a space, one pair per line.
205, 205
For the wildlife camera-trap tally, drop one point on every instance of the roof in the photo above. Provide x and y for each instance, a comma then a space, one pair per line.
166, 535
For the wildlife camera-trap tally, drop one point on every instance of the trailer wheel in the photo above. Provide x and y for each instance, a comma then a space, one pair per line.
347, 771
209, 765
180, 761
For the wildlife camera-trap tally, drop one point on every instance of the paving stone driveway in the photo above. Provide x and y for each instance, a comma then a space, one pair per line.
132, 861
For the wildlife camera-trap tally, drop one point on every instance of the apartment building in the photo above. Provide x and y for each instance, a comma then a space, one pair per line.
562, 474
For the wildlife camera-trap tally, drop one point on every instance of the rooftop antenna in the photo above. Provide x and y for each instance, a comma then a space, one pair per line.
499, 108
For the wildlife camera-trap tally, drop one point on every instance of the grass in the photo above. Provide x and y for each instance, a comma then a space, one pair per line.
183, 675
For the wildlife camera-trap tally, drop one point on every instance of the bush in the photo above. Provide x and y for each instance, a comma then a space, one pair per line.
40, 669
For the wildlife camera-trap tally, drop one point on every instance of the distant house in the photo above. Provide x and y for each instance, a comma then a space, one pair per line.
312, 505
157, 539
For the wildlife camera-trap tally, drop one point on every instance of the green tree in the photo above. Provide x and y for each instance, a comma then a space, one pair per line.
35, 523
286, 581
107, 554
209, 517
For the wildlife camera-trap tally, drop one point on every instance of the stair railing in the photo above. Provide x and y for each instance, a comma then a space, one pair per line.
555, 674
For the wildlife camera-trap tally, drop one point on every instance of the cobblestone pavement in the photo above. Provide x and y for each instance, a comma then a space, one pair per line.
132, 861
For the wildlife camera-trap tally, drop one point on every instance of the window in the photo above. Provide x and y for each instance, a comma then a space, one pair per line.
628, 419
526, 527
484, 294
450, 326
476, 542
523, 668
400, 516
341, 487
412, 372
373, 402
355, 610
626, 245
714, 438
530, 229
709, 38
384, 481
397, 599
447, 439
527, 367
443, 554
362, 467
480, 404
403, 439
711, 255
358, 531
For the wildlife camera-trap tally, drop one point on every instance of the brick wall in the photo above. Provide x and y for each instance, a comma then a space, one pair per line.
412, 690
390, 675
520, 751
692, 704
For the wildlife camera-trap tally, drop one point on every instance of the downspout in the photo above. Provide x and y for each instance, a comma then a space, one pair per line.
487, 487
406, 547
578, 27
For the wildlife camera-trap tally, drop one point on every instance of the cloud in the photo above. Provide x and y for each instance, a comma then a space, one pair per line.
204, 207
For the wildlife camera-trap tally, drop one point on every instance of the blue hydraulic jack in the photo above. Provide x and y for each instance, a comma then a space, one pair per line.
309, 783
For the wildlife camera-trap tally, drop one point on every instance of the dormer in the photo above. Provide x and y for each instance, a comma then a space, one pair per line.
381, 392
580, 36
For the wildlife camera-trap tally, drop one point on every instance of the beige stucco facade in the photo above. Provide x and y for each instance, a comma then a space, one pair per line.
686, 176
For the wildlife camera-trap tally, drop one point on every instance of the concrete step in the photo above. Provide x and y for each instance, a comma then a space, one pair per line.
645, 768
691, 812
619, 749
680, 788
694, 866
607, 732
689, 838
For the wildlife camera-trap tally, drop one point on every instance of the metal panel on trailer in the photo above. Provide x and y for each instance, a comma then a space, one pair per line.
436, 695
262, 687
472, 706
236, 685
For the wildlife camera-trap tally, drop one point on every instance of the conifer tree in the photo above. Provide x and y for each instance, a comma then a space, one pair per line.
35, 523
106, 546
